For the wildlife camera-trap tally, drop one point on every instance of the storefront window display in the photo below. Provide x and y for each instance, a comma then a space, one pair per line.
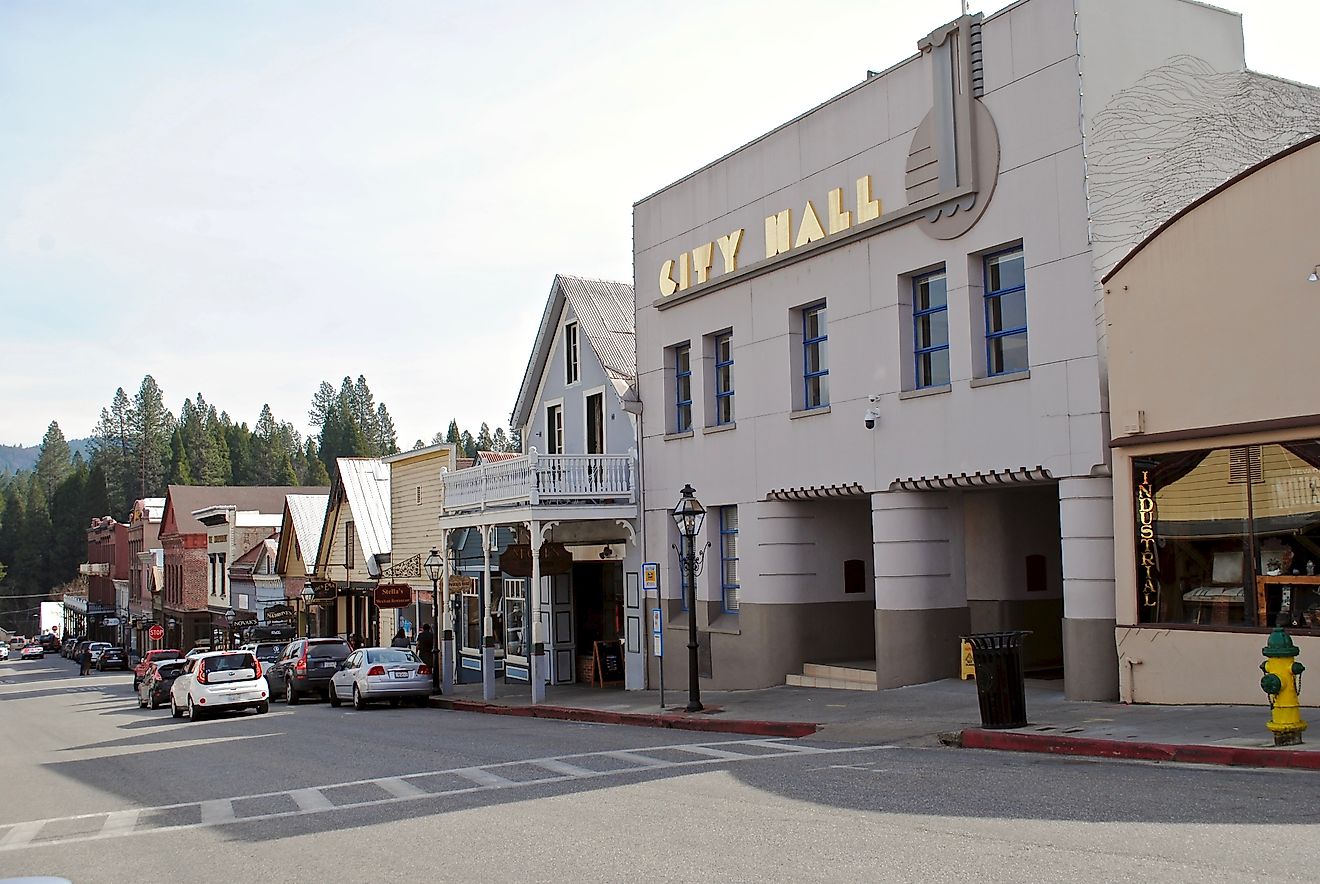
1229, 536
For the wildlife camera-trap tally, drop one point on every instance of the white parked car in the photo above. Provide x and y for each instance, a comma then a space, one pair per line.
371, 674
217, 681
96, 648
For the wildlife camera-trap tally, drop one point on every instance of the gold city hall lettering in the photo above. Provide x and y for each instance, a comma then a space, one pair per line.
695, 267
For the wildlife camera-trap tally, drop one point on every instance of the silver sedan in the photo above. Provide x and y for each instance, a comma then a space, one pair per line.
371, 674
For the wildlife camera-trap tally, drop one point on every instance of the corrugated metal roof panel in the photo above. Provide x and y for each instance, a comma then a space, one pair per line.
307, 512
366, 483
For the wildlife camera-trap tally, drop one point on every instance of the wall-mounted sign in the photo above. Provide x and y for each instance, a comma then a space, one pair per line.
1148, 568
245, 618
393, 595
460, 584
516, 560
323, 592
650, 576
279, 611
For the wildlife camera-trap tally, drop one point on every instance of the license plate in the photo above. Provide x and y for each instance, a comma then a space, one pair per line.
400, 673
328, 665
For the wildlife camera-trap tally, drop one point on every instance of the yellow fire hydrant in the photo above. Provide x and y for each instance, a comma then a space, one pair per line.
1282, 682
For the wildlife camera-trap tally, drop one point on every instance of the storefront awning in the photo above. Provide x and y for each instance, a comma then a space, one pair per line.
817, 492
992, 479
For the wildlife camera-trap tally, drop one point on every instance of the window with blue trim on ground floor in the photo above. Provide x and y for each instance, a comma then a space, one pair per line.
682, 360
815, 357
729, 559
1005, 312
930, 330
723, 346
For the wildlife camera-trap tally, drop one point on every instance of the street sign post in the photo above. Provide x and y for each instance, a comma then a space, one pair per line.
658, 643
650, 576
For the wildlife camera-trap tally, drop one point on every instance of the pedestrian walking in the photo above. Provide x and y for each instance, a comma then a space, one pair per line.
426, 645
86, 661
400, 640
355, 641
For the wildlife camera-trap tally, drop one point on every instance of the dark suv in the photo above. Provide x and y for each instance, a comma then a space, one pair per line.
305, 667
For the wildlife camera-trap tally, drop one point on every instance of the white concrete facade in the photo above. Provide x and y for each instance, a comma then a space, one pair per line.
1049, 168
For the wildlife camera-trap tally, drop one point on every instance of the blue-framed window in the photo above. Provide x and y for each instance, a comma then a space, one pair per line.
1005, 312
682, 388
724, 379
729, 558
930, 330
815, 358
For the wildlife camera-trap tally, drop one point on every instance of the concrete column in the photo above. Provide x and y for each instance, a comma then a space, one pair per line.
488, 626
535, 656
1086, 527
920, 593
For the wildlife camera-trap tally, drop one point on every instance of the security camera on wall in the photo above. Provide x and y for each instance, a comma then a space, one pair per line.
872, 414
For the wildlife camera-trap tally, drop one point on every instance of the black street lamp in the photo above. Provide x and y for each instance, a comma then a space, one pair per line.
689, 515
307, 594
434, 566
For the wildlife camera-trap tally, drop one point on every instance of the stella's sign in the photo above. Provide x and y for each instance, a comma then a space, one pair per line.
393, 595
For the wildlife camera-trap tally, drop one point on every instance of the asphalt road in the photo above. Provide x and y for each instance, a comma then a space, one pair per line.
93, 789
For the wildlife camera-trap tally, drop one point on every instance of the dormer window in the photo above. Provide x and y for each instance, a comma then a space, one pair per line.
571, 361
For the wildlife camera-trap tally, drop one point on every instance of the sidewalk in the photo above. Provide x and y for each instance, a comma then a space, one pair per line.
943, 712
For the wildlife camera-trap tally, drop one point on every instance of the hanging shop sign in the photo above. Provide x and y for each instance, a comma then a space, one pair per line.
393, 595
516, 560
460, 584
277, 612
1148, 569
323, 592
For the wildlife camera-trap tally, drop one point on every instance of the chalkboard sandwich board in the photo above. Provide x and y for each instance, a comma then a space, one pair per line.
608, 660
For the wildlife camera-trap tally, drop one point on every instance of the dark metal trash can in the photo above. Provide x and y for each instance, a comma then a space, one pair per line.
997, 657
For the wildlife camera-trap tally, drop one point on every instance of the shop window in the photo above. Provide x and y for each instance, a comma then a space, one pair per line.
815, 358
572, 363
723, 347
1005, 313
930, 330
1229, 536
729, 558
682, 357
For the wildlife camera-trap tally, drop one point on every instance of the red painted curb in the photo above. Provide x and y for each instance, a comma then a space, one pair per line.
637, 719
1232, 756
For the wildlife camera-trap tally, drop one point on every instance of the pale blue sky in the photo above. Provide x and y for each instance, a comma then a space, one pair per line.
246, 198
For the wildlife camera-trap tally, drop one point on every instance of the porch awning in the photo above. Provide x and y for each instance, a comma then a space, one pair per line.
992, 479
818, 492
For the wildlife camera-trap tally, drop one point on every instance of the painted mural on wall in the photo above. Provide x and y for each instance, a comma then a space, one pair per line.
1176, 134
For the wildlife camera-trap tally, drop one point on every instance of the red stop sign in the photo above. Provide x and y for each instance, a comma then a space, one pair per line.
156, 632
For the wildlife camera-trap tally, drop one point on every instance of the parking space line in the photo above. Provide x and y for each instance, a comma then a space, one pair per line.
21, 834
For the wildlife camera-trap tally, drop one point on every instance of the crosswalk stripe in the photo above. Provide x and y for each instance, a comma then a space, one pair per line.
120, 822
21, 834
218, 811
638, 758
711, 752
563, 767
482, 777
311, 799
401, 788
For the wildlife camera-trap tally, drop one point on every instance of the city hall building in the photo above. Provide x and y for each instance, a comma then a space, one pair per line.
873, 340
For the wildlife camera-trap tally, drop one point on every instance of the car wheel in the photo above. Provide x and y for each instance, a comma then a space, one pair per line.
334, 696
290, 695
194, 714
152, 703
175, 711
263, 707
358, 701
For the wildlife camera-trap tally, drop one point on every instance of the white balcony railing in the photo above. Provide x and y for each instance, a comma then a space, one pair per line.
537, 479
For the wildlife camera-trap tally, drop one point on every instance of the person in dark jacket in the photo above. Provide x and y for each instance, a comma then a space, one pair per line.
86, 661
426, 645
400, 640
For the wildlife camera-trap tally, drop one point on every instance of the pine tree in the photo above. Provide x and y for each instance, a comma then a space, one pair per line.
323, 402
265, 457
316, 475
418, 444
469, 444
453, 435
387, 440
151, 425
69, 521
32, 558
515, 439
180, 473
96, 498
500, 440
484, 440
54, 463
438, 439
363, 409
238, 442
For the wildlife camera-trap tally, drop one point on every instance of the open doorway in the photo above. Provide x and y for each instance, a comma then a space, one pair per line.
598, 617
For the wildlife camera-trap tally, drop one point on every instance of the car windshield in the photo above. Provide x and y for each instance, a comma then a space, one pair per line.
335, 650
391, 655
230, 662
95, 645
269, 652
170, 670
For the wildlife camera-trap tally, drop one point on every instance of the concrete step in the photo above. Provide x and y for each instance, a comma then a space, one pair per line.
842, 684
839, 672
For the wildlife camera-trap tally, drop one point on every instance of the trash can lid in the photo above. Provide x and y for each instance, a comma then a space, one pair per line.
1279, 645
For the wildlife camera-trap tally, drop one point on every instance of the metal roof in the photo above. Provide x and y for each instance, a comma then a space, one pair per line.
365, 483
184, 500
606, 313
305, 514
